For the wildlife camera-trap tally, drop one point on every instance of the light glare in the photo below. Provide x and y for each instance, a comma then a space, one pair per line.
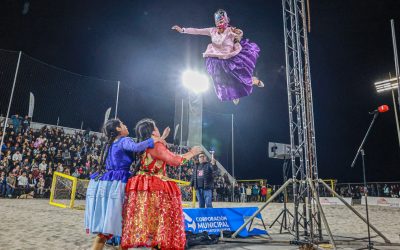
386, 85
195, 81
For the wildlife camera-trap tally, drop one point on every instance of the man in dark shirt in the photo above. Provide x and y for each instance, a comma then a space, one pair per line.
202, 180
26, 123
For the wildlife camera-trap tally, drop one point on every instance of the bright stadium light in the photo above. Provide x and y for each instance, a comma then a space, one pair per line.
390, 85
195, 81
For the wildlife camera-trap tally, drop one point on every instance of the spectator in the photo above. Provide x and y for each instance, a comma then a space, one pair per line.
11, 184
17, 157
264, 192
32, 183
39, 141
16, 121
242, 193
3, 184
378, 190
2, 119
43, 166
248, 193
4, 165
255, 192
34, 164
60, 168
386, 191
40, 187
67, 171
23, 183
26, 123
76, 173
236, 193
373, 190
202, 181
66, 156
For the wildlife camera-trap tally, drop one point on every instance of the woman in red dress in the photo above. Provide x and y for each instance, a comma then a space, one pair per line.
152, 215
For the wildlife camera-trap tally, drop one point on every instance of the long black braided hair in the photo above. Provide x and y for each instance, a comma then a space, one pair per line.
110, 130
143, 130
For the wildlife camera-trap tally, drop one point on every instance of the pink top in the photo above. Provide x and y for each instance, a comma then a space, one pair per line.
222, 46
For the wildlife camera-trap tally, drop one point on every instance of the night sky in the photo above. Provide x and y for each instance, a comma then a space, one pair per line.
131, 41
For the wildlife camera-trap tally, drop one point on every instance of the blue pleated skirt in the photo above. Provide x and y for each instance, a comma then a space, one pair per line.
104, 202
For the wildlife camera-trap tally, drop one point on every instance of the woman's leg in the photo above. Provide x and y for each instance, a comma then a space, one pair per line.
99, 242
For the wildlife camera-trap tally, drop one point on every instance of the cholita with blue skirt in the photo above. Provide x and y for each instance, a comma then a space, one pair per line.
106, 191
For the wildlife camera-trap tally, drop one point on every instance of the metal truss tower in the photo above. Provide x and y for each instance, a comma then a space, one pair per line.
308, 216
301, 119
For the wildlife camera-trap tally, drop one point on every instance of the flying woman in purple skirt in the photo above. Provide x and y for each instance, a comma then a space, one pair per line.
229, 60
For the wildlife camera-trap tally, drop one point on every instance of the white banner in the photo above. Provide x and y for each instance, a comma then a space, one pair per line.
107, 115
382, 201
31, 104
334, 201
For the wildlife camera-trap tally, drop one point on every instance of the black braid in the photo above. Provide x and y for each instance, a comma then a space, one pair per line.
144, 129
105, 151
136, 168
111, 132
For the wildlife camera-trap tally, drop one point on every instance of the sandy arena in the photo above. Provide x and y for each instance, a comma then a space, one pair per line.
34, 224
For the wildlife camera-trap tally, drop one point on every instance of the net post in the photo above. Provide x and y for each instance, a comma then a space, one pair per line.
53, 187
74, 184
193, 197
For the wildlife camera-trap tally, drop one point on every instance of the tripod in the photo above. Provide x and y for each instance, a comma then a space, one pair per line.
285, 212
362, 152
311, 184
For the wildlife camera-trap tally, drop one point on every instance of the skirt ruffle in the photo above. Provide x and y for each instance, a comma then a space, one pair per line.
153, 214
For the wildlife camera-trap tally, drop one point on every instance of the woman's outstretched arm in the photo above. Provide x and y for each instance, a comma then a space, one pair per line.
193, 31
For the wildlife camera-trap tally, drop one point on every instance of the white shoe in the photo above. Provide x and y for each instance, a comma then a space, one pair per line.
236, 101
257, 82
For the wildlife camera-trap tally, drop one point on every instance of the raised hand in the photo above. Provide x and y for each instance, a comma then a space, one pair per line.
177, 28
165, 133
196, 150
158, 139
213, 161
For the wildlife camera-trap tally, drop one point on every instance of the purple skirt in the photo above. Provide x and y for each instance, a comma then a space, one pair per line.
232, 77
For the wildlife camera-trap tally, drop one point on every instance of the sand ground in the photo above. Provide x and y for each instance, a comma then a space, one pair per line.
34, 224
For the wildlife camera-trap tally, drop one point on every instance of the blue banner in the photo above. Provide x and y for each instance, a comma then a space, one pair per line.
214, 220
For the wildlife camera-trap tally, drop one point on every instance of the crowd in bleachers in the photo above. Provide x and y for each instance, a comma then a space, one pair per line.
30, 156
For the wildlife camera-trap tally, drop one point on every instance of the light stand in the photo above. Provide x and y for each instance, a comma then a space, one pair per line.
285, 212
361, 150
275, 153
